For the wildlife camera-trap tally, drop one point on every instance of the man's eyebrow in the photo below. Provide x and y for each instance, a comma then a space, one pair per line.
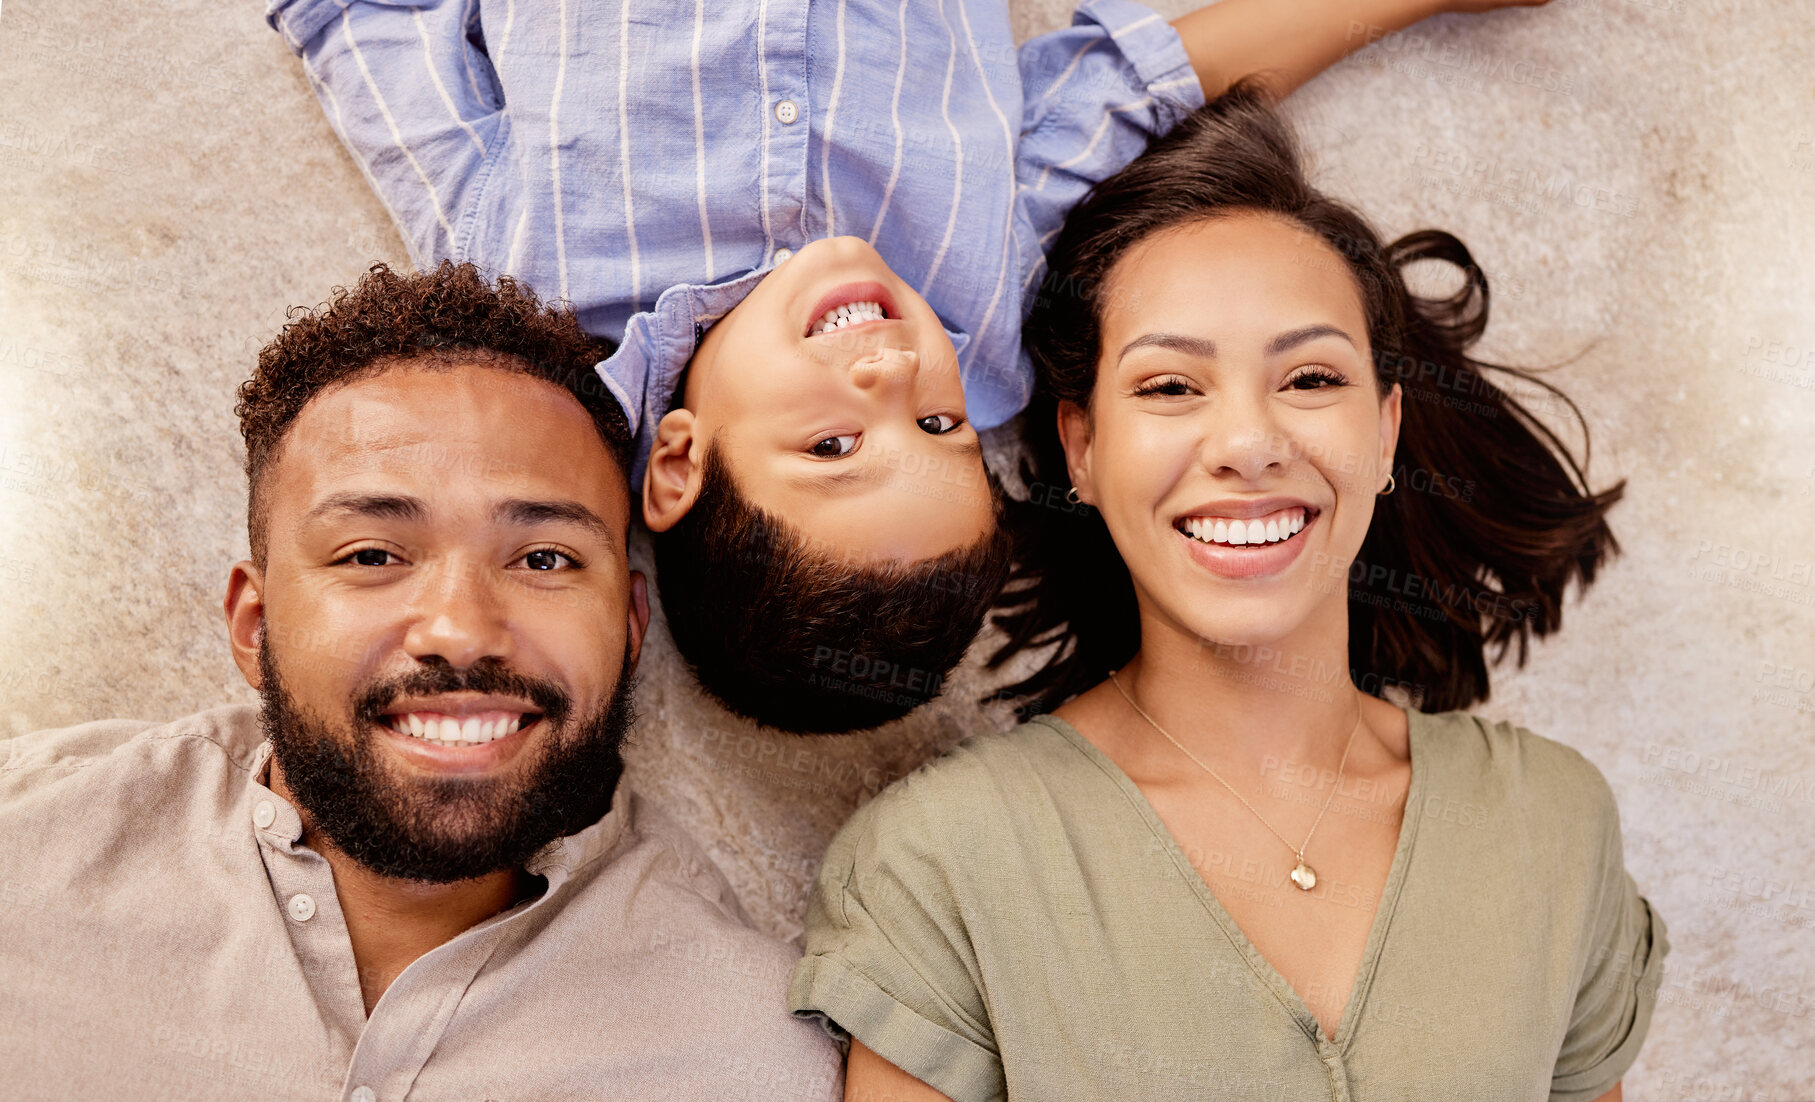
1292, 338
516, 511
526, 513
1190, 346
379, 506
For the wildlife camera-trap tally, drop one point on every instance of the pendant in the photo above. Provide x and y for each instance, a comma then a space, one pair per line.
1304, 876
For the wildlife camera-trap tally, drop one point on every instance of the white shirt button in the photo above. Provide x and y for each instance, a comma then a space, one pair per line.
264, 814
781, 255
364, 1094
302, 906
786, 111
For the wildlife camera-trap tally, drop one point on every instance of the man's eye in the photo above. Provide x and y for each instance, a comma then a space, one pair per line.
370, 556
833, 447
545, 560
938, 424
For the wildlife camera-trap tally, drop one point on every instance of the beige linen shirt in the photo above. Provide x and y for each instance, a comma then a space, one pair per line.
1014, 920
165, 934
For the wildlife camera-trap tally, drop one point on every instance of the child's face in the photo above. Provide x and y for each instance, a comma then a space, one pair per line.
856, 435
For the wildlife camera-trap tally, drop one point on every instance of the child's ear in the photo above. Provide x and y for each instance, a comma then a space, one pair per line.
671, 483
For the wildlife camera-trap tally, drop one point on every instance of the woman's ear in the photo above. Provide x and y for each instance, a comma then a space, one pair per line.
1075, 437
1390, 408
671, 483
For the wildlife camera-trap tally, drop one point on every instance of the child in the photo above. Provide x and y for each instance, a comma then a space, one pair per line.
716, 191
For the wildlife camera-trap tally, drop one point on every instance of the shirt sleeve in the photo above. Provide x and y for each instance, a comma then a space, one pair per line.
1618, 991
1096, 92
408, 87
888, 958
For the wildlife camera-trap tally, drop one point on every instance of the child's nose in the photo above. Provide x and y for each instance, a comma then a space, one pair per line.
885, 366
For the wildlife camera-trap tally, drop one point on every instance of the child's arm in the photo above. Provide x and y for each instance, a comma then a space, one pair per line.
411, 95
1287, 42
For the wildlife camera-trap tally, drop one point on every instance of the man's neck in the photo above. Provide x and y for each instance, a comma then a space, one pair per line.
391, 922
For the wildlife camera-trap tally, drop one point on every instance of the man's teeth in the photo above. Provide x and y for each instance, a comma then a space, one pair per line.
1271, 528
446, 730
851, 313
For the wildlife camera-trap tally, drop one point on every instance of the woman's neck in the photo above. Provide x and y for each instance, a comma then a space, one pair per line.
1244, 703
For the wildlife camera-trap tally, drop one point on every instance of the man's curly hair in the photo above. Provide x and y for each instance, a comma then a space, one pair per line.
783, 633
444, 316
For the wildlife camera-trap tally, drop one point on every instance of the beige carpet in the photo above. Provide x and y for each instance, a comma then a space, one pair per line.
1636, 176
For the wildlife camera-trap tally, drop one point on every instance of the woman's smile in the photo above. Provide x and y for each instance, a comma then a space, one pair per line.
1253, 546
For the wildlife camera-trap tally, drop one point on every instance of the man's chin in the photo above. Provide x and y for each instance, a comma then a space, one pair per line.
412, 811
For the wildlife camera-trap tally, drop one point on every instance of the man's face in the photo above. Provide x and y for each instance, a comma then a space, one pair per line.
833, 393
445, 625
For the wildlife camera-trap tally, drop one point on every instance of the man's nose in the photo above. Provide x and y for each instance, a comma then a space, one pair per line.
886, 367
460, 616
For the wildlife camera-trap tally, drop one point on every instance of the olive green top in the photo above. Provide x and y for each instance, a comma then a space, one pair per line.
1014, 920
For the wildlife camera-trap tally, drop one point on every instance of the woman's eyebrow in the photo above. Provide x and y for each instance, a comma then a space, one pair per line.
1190, 346
1292, 338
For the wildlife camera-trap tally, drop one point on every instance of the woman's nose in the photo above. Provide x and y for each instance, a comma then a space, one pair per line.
1243, 438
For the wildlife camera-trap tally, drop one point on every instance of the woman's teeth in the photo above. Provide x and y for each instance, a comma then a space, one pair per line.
446, 730
851, 313
1272, 528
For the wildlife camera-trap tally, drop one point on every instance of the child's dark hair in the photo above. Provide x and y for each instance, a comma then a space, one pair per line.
1492, 518
790, 636
434, 318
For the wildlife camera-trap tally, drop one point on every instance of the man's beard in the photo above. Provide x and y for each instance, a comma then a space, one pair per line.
451, 828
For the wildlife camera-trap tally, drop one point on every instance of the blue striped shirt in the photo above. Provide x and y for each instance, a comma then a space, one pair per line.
650, 160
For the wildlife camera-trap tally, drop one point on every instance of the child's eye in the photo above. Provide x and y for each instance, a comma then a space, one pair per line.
833, 447
546, 559
1168, 386
1315, 377
938, 424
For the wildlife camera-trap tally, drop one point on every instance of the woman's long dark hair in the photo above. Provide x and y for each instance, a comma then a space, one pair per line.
1492, 516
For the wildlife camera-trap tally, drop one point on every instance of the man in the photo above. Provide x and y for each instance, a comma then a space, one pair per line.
414, 872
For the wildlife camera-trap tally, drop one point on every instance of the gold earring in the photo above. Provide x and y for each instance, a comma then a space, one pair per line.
1071, 495
1390, 485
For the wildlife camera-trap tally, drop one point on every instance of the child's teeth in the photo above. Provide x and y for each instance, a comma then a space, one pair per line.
851, 313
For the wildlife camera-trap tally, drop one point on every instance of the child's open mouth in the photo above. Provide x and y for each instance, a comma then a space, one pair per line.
854, 304
843, 317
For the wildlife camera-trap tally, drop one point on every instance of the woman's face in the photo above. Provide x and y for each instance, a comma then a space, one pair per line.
1236, 436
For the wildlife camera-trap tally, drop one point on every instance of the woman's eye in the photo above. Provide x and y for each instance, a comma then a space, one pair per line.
832, 447
1315, 378
369, 556
1169, 387
546, 559
938, 424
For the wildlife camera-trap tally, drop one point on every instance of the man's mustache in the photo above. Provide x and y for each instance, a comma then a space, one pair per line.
488, 676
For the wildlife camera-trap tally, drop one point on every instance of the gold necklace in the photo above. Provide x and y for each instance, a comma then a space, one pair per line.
1303, 875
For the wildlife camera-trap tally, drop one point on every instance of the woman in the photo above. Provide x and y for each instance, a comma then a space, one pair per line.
1229, 868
